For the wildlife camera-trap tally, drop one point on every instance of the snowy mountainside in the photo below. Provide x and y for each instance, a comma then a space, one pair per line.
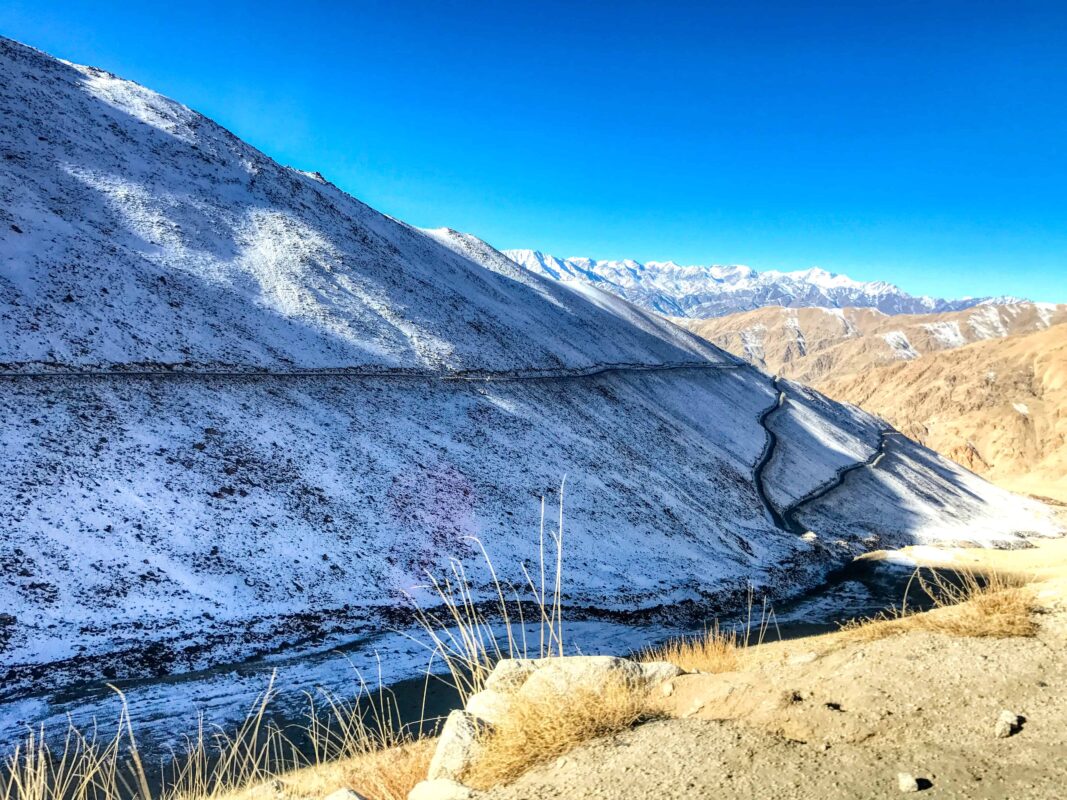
701, 292
242, 409
135, 231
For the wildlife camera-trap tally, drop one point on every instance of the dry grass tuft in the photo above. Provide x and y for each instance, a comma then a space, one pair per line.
360, 743
389, 774
471, 639
542, 728
966, 603
378, 775
716, 651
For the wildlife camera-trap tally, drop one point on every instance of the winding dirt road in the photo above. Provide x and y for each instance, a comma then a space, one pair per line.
786, 519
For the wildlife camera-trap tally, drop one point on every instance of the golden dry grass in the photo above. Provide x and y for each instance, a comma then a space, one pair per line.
715, 651
359, 743
387, 774
966, 603
541, 728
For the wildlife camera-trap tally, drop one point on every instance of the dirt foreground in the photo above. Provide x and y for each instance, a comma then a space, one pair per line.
839, 717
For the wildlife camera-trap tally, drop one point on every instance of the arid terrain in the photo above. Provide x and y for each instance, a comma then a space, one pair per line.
986, 387
812, 345
997, 407
843, 715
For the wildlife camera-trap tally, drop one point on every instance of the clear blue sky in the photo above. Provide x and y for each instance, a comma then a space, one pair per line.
920, 142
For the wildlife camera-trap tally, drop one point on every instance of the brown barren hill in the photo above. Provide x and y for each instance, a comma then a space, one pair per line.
997, 407
812, 344
984, 386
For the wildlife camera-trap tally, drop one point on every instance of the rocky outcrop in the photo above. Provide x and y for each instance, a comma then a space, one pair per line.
511, 681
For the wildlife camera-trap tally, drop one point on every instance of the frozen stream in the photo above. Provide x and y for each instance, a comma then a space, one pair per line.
164, 710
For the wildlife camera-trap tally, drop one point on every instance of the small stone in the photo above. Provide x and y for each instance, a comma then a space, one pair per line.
440, 789
801, 658
1007, 723
345, 794
667, 689
907, 782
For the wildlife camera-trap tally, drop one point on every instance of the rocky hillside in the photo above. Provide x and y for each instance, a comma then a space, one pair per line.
241, 409
997, 407
983, 386
701, 292
816, 344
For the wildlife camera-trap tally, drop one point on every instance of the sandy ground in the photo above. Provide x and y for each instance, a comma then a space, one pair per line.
831, 717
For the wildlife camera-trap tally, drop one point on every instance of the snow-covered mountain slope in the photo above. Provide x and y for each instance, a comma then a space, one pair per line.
240, 408
702, 292
181, 245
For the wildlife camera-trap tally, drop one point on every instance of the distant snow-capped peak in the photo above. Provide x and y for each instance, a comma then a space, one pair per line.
702, 291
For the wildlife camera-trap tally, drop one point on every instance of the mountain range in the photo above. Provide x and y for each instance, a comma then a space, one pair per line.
701, 292
243, 409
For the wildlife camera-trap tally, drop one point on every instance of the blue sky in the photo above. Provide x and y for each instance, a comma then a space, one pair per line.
919, 142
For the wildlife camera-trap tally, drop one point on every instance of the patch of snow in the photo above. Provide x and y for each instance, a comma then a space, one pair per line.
752, 339
1045, 312
946, 334
987, 323
901, 346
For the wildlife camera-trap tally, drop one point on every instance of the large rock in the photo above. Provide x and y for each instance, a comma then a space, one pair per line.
510, 674
458, 746
562, 675
489, 704
512, 679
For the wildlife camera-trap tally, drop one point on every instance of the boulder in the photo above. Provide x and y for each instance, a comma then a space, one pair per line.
562, 675
458, 746
510, 674
489, 704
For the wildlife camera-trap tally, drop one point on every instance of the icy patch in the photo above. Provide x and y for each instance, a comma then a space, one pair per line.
793, 324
